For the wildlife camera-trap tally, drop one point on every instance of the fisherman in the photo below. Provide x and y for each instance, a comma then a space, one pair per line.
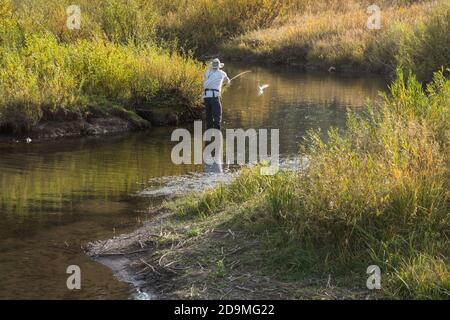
215, 78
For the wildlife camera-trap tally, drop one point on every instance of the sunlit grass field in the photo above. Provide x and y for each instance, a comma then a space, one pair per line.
132, 53
412, 34
46, 75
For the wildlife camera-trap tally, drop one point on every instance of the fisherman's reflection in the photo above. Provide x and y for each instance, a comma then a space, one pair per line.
213, 153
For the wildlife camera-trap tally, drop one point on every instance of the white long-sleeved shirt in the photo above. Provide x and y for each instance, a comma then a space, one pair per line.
214, 79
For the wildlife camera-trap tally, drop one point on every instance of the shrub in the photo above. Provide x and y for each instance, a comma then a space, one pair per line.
427, 49
124, 21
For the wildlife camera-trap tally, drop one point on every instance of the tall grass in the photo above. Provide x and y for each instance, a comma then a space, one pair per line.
133, 52
376, 194
428, 48
120, 21
42, 77
413, 34
202, 25
196, 25
45, 79
117, 58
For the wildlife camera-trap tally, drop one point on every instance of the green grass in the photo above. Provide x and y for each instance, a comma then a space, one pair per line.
45, 78
428, 47
376, 194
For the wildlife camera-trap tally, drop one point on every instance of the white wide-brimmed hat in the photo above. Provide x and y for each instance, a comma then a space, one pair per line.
216, 64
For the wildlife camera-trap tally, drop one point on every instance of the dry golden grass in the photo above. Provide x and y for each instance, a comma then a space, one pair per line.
334, 36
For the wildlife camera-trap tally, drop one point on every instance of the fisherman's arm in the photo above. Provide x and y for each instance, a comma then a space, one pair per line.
226, 80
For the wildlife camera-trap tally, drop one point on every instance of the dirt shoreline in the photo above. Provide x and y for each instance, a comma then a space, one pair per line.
102, 125
171, 257
79, 128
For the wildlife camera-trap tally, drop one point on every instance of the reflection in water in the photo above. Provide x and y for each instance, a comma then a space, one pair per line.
213, 168
214, 153
295, 102
56, 196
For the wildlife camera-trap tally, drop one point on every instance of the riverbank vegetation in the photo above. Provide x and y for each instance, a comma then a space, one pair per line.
47, 76
318, 34
374, 195
133, 53
412, 34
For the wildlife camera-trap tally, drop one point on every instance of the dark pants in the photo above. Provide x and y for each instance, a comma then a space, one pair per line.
213, 112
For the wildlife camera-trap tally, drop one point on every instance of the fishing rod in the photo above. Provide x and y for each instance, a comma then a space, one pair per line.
240, 74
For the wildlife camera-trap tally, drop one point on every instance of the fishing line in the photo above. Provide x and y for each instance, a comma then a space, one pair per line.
240, 74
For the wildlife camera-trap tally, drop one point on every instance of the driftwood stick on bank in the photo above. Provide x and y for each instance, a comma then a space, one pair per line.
150, 266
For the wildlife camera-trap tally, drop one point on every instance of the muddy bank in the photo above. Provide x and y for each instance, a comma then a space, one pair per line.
94, 126
191, 258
